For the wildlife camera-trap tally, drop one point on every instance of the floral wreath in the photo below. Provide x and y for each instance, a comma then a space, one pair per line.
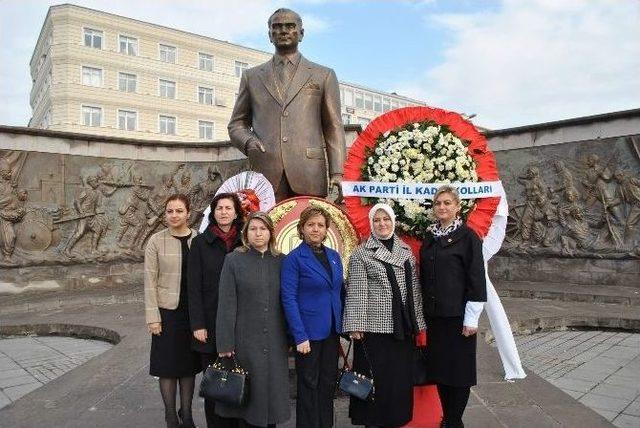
426, 145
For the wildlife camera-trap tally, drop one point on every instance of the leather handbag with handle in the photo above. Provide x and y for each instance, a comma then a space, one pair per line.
354, 383
225, 381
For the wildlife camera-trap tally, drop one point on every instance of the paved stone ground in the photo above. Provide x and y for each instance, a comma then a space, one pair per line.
601, 369
114, 388
27, 363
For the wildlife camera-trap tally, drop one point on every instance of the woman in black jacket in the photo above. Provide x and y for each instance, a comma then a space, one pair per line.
453, 291
206, 258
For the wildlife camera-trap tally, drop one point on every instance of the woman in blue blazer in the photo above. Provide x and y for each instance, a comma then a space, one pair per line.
311, 291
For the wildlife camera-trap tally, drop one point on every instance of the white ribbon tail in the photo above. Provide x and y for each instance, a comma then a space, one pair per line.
495, 311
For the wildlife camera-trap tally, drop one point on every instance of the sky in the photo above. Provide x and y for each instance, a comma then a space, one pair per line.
509, 62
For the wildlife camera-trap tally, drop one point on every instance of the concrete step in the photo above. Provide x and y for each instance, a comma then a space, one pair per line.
566, 292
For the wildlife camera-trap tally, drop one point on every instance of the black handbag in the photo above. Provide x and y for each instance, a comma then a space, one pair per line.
420, 373
226, 382
354, 383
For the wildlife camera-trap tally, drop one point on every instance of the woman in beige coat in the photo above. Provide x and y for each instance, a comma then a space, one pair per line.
167, 314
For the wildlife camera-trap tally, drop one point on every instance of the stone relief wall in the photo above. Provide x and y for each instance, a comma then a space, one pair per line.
63, 209
578, 199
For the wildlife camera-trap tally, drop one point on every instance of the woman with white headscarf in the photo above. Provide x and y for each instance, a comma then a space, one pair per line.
383, 313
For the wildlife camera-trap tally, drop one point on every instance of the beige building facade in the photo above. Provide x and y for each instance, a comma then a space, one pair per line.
98, 73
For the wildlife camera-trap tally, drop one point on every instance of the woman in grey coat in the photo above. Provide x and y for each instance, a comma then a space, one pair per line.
250, 324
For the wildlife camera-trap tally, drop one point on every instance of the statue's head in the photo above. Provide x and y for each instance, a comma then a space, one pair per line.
23, 195
592, 160
186, 178
92, 181
533, 171
285, 30
167, 179
213, 173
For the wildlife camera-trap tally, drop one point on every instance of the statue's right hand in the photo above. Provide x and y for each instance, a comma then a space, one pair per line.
201, 335
254, 143
155, 328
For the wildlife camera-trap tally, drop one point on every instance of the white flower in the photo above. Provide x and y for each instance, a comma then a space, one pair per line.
378, 151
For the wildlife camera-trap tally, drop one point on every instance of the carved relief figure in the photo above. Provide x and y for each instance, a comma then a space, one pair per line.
203, 194
596, 183
629, 190
535, 193
12, 211
90, 219
133, 215
576, 232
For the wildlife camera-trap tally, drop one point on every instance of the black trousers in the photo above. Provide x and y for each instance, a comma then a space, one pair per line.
453, 400
317, 373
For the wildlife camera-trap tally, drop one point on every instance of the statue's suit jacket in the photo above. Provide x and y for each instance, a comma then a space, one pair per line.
302, 135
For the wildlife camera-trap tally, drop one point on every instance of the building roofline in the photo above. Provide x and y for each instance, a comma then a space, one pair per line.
378, 91
21, 130
146, 23
622, 114
46, 18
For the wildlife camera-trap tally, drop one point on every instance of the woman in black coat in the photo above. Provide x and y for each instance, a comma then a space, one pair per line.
453, 291
208, 251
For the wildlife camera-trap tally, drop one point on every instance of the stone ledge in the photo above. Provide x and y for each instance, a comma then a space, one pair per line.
69, 330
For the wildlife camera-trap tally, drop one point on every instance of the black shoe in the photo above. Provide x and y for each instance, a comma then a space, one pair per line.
172, 420
185, 422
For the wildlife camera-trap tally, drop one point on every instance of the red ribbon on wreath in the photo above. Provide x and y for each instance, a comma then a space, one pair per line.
485, 208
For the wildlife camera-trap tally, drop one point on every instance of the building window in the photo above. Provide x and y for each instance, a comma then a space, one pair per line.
127, 120
402, 104
205, 62
128, 45
394, 104
377, 103
386, 104
91, 116
368, 102
168, 53
93, 38
91, 76
348, 97
126, 82
167, 89
206, 130
346, 119
205, 95
240, 67
167, 125
359, 100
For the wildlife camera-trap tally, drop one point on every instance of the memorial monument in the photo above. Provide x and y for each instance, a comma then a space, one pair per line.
287, 116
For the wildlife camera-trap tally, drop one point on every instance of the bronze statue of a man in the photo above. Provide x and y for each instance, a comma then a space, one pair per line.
287, 116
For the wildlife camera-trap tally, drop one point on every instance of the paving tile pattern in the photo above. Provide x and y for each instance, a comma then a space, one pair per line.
27, 363
601, 369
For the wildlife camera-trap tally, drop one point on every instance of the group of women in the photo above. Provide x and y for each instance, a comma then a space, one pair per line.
229, 292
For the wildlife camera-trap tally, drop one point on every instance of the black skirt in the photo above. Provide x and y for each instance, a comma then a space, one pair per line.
451, 357
392, 362
171, 354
